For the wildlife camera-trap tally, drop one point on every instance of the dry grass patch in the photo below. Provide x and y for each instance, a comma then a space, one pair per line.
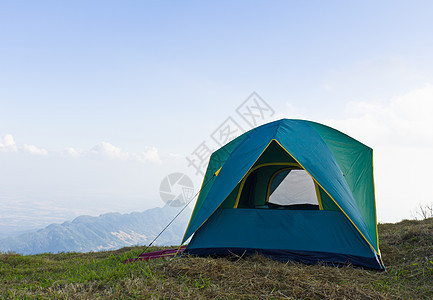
407, 249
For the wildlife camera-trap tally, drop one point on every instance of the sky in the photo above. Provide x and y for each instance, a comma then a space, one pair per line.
101, 100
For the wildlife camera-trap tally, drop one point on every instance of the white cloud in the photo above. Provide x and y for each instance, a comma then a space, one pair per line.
404, 121
34, 150
7, 144
110, 151
103, 149
374, 78
72, 152
149, 155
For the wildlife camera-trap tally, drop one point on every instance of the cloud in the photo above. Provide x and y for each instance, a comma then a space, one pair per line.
7, 144
404, 121
72, 152
373, 78
110, 151
34, 150
150, 154
103, 149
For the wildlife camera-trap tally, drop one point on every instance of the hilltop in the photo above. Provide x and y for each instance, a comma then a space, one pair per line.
407, 250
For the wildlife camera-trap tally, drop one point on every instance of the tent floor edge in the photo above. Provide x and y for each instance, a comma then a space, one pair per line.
305, 257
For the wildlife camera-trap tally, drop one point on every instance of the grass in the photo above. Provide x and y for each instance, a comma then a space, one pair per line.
407, 250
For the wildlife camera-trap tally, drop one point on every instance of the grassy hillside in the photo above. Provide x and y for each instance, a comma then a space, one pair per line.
407, 249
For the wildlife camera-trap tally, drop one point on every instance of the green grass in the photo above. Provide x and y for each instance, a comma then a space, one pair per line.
407, 250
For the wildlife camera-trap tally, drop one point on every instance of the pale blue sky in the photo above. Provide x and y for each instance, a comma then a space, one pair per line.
162, 75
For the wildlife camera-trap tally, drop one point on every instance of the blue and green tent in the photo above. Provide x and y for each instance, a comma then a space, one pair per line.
289, 190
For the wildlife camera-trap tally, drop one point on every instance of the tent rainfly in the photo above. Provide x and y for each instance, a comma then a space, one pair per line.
289, 190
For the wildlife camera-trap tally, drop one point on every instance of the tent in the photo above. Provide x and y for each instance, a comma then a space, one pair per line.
289, 190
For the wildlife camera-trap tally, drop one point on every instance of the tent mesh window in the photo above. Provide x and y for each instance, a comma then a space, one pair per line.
278, 187
292, 189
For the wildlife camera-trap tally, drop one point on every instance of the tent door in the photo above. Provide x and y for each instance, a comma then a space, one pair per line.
278, 186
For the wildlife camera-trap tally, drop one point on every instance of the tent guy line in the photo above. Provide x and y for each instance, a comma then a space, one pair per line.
169, 223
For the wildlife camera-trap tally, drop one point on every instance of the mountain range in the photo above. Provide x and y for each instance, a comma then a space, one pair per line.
106, 232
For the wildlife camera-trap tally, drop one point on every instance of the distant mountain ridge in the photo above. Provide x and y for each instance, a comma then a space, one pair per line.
106, 232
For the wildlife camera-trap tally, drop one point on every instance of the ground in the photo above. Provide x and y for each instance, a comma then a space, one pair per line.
407, 251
